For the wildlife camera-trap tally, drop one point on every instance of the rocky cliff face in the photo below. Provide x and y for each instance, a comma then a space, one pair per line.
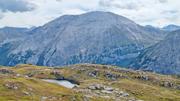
95, 37
163, 57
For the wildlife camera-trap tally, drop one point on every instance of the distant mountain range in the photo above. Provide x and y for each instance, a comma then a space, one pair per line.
95, 37
8, 33
171, 28
163, 57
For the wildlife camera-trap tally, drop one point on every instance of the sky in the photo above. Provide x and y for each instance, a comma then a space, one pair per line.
29, 13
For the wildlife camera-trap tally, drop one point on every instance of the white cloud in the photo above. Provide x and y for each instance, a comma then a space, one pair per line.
15, 6
154, 12
1, 15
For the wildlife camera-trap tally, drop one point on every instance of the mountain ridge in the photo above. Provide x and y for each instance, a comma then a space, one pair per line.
171, 27
95, 37
162, 57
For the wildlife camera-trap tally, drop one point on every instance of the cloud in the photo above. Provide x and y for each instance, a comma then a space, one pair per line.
153, 12
118, 4
1, 15
163, 1
16, 6
58, 0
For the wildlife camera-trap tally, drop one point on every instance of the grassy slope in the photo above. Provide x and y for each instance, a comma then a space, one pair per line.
147, 90
37, 88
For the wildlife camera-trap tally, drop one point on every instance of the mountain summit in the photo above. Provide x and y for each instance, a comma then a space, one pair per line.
94, 37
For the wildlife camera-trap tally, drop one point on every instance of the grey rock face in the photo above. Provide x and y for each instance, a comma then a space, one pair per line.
163, 57
95, 37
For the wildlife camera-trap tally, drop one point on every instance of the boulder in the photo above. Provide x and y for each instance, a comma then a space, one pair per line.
111, 76
108, 89
11, 85
96, 87
106, 92
93, 74
142, 77
167, 84
6, 71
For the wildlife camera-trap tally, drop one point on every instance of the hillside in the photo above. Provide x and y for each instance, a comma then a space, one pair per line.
93, 83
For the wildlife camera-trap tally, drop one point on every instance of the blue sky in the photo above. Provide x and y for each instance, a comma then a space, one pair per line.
28, 13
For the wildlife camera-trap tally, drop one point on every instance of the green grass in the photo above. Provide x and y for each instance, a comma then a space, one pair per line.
149, 90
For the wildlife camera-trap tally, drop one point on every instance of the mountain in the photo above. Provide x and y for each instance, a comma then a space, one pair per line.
85, 82
171, 28
10, 38
163, 57
155, 31
11, 33
94, 37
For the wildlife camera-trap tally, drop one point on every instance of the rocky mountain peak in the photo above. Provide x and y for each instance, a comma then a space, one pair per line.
94, 37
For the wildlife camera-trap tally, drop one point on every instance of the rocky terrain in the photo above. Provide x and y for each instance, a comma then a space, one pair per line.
92, 83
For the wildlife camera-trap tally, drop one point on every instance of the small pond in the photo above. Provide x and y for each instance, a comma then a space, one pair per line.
64, 83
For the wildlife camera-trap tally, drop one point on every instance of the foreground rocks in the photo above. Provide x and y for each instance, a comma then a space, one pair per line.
100, 90
6, 71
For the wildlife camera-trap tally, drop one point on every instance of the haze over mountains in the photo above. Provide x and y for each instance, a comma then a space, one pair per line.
95, 37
